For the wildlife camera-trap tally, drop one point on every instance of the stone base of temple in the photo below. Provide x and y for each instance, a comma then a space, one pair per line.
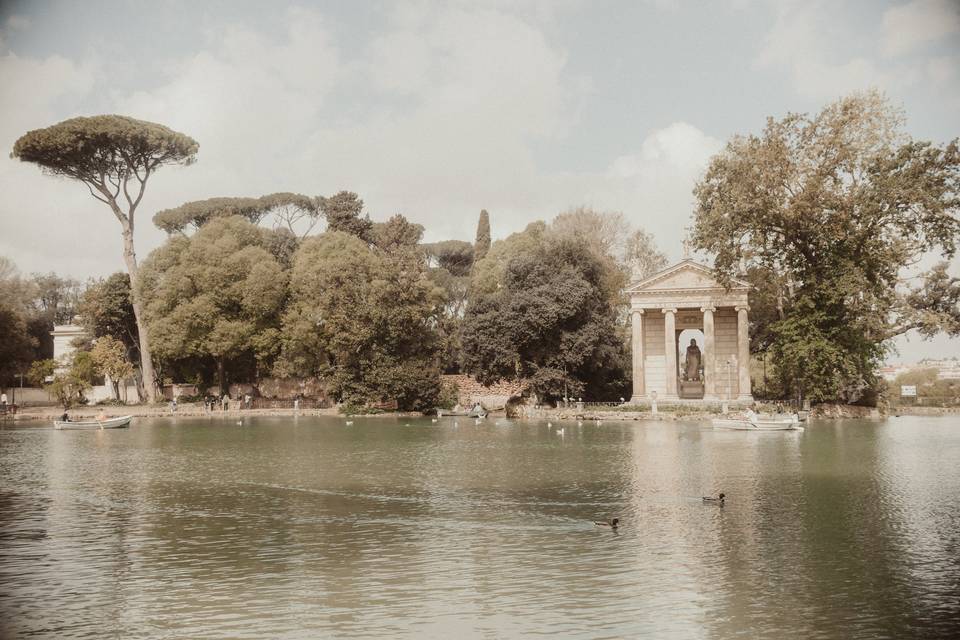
691, 390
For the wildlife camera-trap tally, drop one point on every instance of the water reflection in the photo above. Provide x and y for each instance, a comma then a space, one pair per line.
306, 527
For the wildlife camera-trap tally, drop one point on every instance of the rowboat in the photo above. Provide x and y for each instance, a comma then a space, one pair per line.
476, 412
109, 423
753, 422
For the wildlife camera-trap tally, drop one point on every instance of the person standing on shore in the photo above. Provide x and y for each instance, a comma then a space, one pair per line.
3, 399
225, 402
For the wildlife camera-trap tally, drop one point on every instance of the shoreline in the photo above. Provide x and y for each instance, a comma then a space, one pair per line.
196, 410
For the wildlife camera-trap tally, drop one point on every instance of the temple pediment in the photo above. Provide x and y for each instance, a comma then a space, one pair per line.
686, 275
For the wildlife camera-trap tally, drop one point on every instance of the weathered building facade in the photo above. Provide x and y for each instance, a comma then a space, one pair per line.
686, 301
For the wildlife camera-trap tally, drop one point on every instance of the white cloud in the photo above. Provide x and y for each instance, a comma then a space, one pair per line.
911, 26
460, 99
805, 39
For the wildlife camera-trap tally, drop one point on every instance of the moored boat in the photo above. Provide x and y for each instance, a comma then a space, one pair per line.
476, 412
109, 423
754, 422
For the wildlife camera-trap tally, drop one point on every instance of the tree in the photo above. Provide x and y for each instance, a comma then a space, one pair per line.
17, 345
363, 320
110, 358
456, 256
67, 384
453, 261
199, 212
41, 371
641, 256
55, 298
396, 234
106, 309
548, 320
288, 210
216, 296
605, 231
342, 212
114, 156
482, 244
827, 214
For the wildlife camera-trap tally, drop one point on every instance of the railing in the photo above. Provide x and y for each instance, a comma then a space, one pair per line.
272, 403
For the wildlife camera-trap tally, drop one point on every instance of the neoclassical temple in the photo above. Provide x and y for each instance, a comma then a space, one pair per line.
690, 336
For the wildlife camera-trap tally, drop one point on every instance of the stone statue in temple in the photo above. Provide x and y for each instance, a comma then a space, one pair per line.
692, 363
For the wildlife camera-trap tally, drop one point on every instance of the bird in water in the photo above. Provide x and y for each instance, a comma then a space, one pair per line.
560, 431
718, 500
549, 425
613, 523
349, 423
434, 421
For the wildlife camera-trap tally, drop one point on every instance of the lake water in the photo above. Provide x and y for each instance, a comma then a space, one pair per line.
307, 527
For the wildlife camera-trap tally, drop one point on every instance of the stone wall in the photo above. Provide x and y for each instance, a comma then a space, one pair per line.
493, 397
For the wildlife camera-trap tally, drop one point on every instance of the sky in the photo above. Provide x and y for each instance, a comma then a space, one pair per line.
439, 109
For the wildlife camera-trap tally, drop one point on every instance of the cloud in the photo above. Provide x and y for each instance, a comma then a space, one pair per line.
442, 111
805, 40
908, 27
35, 209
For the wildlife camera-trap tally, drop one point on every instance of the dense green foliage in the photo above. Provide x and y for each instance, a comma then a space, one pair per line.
17, 346
110, 358
342, 212
827, 214
105, 309
29, 308
216, 296
69, 383
363, 319
543, 311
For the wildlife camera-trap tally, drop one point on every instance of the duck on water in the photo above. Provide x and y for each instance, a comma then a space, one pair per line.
613, 523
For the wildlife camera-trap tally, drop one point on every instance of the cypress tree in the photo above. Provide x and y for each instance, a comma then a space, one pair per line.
482, 243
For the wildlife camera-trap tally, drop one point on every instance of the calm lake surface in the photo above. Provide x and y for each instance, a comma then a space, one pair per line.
306, 528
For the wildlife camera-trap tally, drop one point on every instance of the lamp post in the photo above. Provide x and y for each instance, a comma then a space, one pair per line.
21, 390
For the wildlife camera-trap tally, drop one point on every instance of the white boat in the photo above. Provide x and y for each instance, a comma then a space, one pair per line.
109, 423
456, 412
754, 422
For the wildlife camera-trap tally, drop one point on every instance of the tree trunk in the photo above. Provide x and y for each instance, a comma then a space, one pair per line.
221, 377
146, 361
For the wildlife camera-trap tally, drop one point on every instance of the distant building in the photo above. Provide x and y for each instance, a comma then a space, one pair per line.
63, 338
890, 372
946, 369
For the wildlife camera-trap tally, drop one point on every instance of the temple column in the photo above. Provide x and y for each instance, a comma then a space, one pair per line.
709, 356
743, 354
639, 385
670, 344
